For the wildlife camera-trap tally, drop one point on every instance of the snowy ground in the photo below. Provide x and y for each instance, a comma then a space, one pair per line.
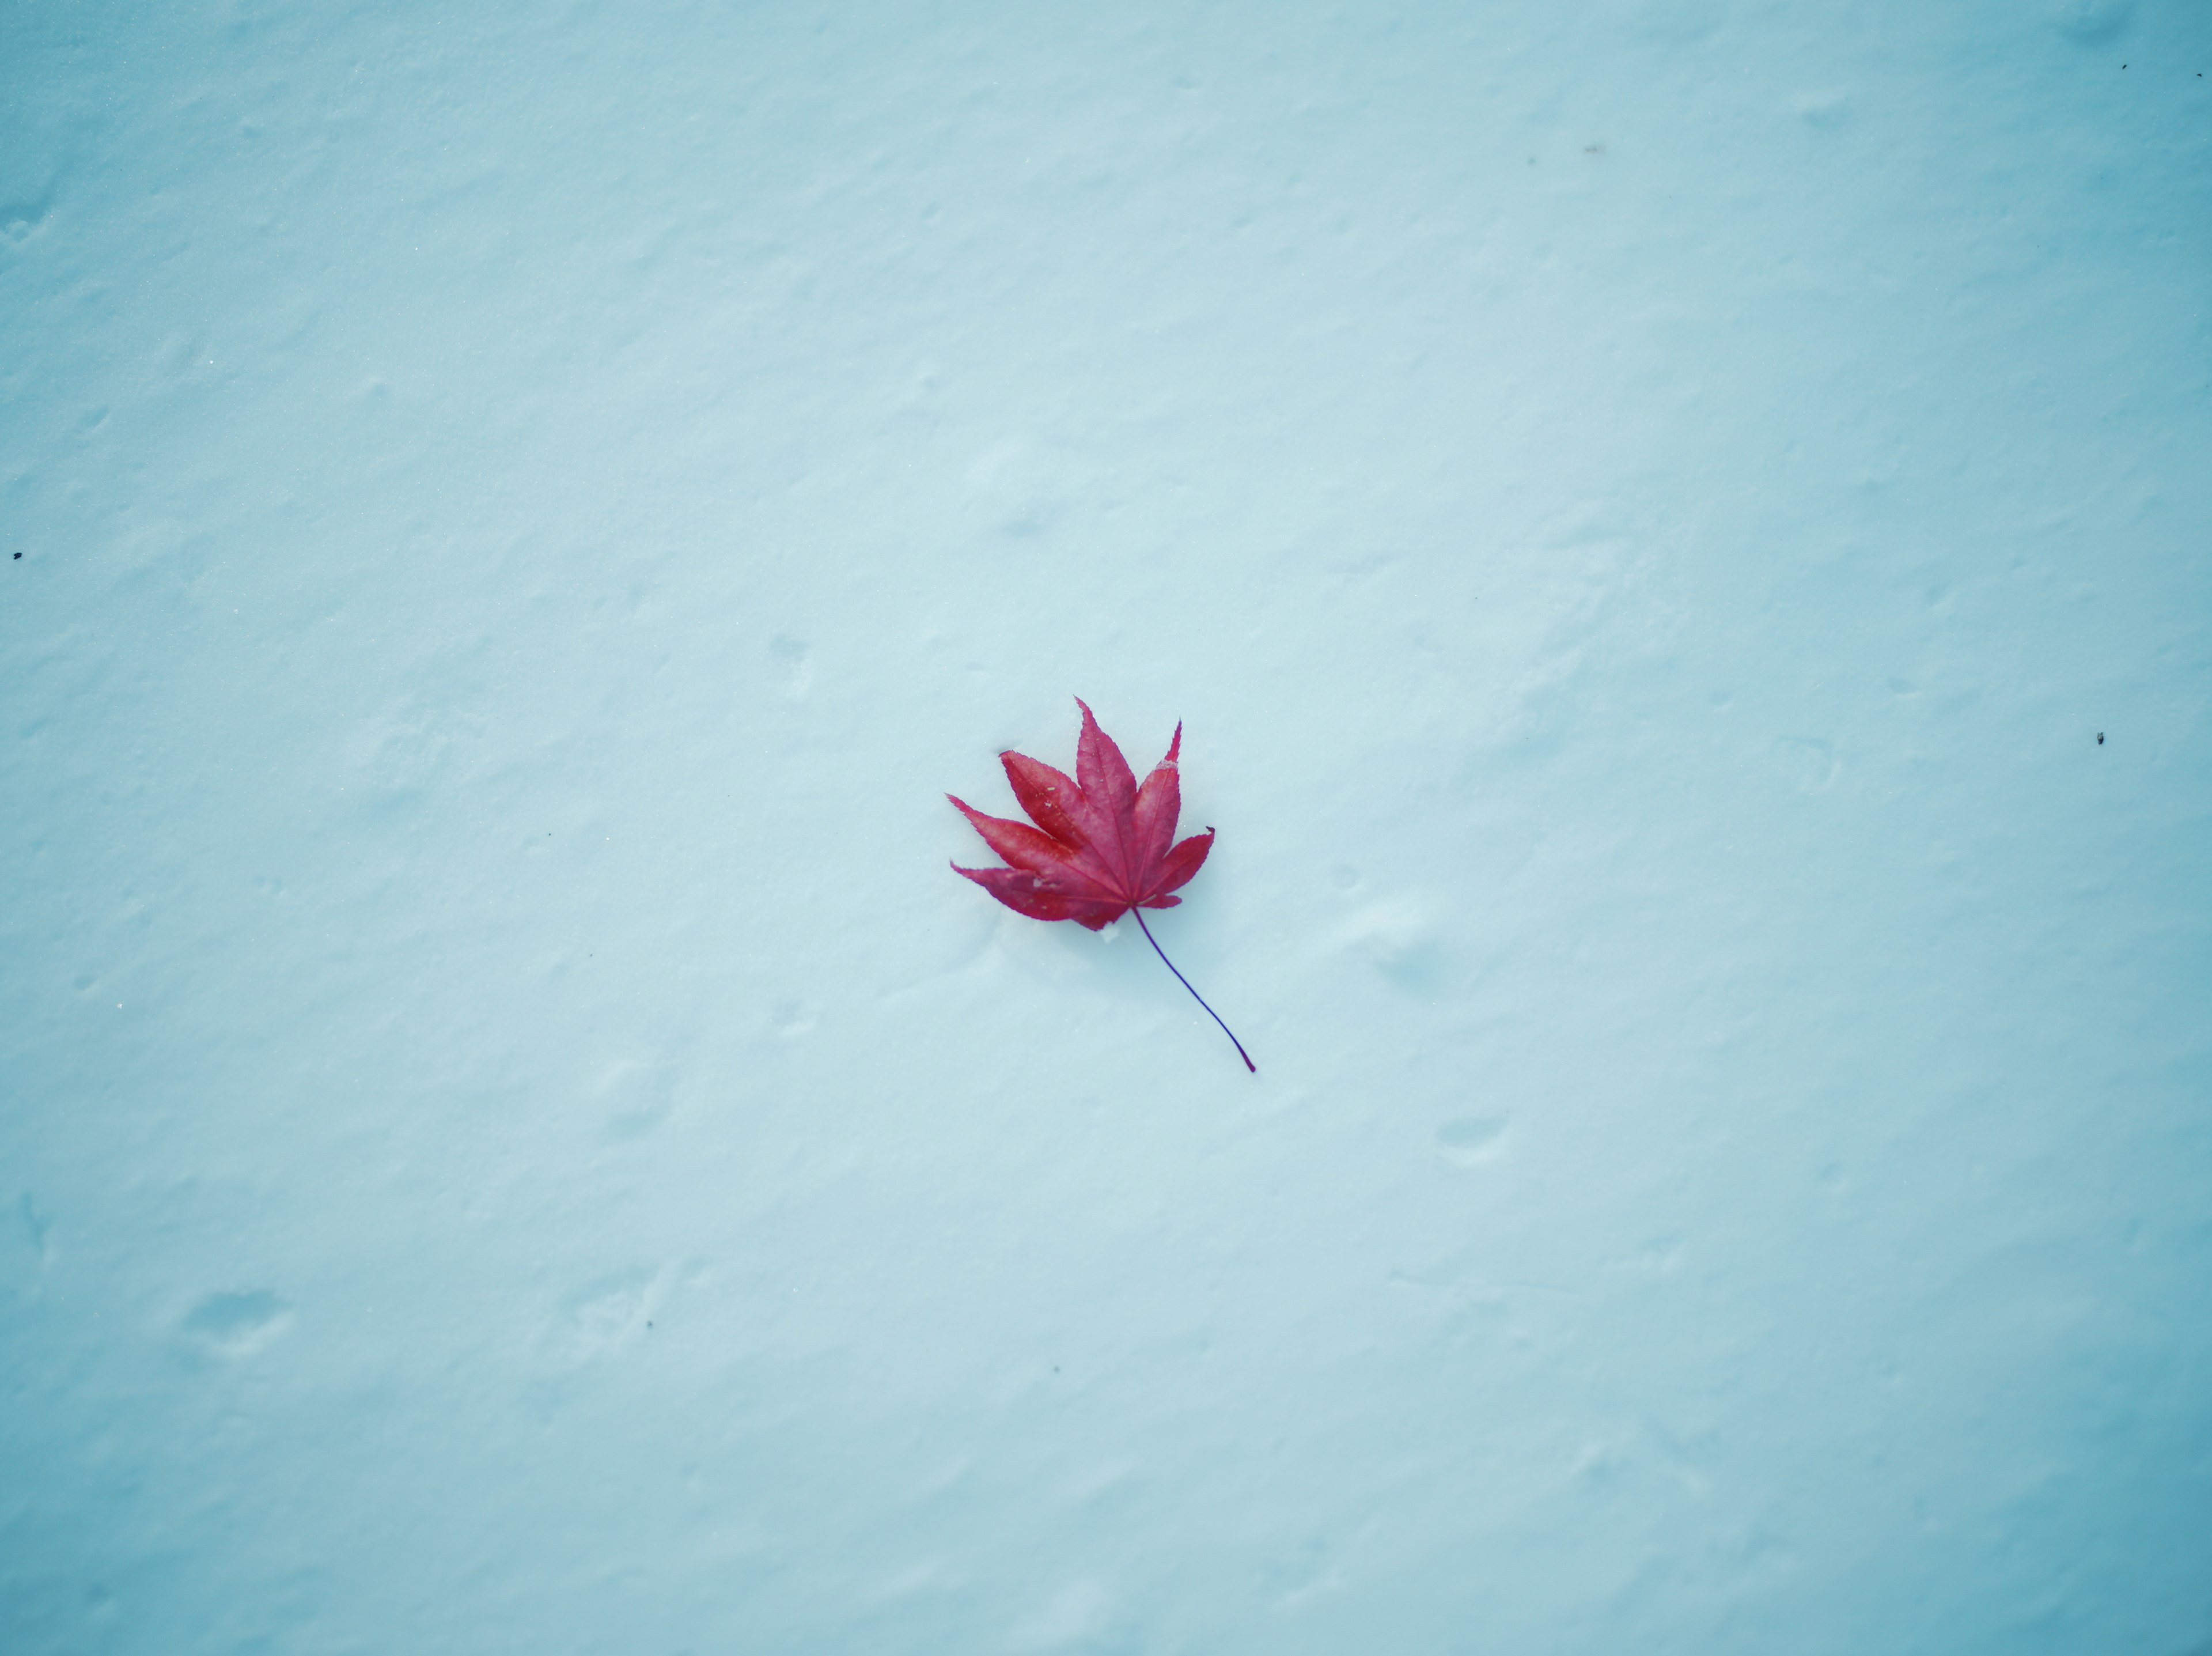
512, 517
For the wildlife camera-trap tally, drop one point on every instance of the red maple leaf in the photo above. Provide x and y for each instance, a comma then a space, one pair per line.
1102, 846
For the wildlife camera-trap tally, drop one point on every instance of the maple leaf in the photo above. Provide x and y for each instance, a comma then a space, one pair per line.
1102, 846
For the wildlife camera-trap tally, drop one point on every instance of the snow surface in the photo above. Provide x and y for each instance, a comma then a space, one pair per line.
511, 519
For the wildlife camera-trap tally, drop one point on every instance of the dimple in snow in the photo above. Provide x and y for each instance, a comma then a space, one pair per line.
1102, 846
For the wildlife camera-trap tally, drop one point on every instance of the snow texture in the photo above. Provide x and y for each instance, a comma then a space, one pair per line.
1678, 531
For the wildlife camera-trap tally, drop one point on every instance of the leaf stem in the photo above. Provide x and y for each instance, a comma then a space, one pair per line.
1195, 995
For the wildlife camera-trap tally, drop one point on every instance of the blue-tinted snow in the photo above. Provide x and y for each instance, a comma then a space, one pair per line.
515, 1141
